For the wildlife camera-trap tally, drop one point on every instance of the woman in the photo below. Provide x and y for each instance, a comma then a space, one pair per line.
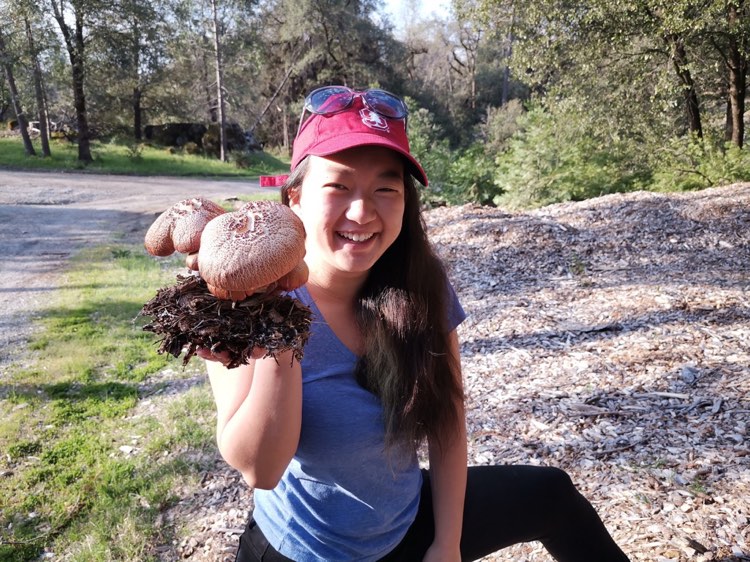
330, 444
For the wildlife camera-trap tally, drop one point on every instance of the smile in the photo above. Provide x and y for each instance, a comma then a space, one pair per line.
356, 237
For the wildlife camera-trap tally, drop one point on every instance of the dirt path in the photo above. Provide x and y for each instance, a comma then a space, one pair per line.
47, 217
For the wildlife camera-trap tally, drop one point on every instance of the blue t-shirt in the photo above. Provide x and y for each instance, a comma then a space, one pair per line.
342, 497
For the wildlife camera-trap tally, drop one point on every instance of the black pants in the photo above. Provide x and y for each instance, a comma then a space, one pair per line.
504, 505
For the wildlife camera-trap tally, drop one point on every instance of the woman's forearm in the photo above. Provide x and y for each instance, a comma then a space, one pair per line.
259, 419
448, 469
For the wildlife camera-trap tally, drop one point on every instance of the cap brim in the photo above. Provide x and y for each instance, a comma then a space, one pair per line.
351, 140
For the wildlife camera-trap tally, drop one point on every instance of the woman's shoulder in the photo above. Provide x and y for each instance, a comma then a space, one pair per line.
301, 294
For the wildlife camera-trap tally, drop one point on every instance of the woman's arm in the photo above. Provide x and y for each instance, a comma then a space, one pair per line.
448, 469
259, 411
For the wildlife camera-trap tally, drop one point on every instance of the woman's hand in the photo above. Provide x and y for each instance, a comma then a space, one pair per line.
218, 356
223, 356
438, 553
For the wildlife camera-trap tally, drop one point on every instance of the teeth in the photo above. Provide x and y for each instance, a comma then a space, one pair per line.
354, 237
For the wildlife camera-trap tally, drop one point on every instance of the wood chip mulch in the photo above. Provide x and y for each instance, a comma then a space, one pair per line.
610, 338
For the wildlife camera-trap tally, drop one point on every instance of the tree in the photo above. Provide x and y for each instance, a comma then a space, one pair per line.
23, 124
75, 44
678, 55
591, 49
327, 42
730, 37
131, 53
191, 58
38, 88
219, 85
469, 36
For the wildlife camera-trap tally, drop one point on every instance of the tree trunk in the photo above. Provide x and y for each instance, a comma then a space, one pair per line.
23, 123
137, 89
273, 97
728, 127
737, 65
75, 46
680, 62
39, 92
508, 55
219, 87
137, 112
210, 105
285, 121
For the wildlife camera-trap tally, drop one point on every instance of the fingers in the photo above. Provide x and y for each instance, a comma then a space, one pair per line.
191, 261
225, 294
218, 356
223, 356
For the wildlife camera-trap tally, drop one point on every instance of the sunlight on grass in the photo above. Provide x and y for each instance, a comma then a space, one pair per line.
91, 456
137, 159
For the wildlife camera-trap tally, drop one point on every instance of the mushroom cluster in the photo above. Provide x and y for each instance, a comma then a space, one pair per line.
244, 260
179, 228
247, 251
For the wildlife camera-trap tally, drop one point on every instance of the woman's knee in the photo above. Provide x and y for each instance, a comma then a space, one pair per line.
553, 489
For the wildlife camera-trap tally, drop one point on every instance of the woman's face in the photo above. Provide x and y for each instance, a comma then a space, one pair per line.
352, 206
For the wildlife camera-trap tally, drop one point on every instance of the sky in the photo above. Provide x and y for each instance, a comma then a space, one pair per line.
427, 8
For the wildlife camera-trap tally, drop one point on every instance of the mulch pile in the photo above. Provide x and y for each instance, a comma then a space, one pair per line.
609, 337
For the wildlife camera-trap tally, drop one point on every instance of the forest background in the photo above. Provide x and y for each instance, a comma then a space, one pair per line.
511, 103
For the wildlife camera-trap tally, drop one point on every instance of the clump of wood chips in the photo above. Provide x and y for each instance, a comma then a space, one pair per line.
188, 316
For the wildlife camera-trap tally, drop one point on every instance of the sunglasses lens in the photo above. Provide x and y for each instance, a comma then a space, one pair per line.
386, 104
329, 100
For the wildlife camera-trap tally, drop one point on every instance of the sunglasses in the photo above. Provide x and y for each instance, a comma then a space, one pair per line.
334, 99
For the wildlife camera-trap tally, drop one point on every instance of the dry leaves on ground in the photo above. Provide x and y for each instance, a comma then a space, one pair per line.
609, 337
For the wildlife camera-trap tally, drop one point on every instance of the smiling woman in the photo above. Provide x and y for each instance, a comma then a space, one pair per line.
330, 441
351, 218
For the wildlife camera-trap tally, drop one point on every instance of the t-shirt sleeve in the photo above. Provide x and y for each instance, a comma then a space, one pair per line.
456, 313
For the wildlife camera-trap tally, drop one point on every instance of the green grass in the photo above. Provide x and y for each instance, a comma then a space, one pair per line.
67, 486
128, 158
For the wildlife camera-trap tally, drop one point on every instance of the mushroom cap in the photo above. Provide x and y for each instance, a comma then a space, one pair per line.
252, 247
179, 227
295, 278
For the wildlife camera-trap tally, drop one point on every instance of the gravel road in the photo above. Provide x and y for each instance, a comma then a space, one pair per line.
47, 217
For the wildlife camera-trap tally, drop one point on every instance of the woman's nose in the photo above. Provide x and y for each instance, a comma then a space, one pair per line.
360, 210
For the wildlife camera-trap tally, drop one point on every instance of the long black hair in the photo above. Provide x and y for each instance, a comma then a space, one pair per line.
402, 314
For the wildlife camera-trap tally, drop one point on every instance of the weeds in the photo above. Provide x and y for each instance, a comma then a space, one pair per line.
135, 158
87, 470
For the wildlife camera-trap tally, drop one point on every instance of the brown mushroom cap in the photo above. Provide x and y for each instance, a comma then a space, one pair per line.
295, 278
179, 227
248, 249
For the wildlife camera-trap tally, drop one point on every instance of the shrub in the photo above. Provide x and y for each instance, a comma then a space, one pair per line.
135, 151
555, 158
688, 163
191, 148
501, 124
474, 170
429, 146
242, 159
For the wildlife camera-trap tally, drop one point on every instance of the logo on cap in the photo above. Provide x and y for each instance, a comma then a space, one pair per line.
373, 120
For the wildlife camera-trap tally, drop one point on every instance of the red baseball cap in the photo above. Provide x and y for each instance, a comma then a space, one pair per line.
357, 125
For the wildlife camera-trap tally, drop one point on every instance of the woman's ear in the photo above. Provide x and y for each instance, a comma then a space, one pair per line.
293, 195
